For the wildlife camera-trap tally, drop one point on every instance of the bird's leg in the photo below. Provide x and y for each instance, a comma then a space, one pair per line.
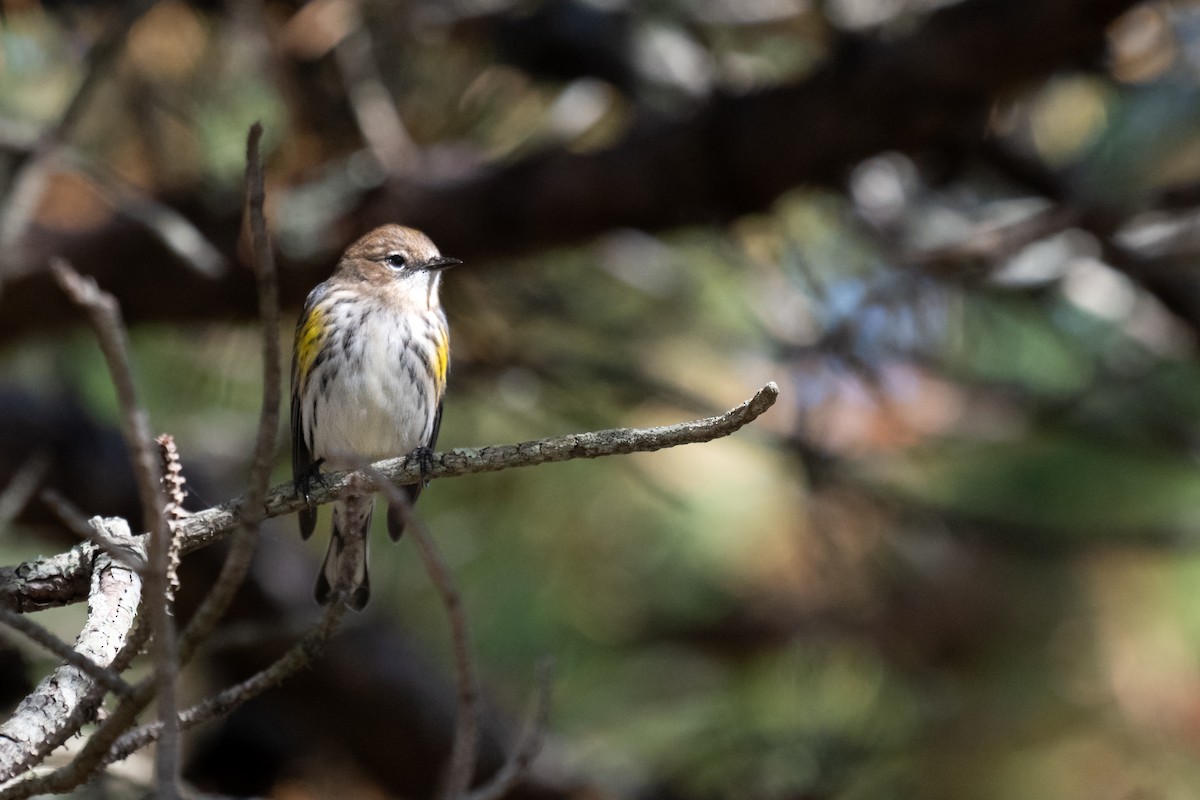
304, 482
424, 457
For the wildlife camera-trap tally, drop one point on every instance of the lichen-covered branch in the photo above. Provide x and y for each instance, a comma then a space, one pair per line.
47, 717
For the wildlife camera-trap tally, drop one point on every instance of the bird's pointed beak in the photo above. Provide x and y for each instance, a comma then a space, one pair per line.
440, 263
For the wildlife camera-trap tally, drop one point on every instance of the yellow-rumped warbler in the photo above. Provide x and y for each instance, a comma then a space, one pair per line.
368, 372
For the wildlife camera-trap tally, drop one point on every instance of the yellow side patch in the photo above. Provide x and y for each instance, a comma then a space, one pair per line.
441, 362
308, 342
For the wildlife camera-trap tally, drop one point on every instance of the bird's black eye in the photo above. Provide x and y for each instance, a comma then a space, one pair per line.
396, 260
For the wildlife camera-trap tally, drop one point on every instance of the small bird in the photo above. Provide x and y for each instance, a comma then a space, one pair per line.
369, 367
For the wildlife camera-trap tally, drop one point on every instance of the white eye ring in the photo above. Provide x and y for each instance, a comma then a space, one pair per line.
396, 260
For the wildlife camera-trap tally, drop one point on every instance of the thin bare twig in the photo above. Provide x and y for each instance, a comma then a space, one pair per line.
986, 246
464, 752
222, 703
44, 637
174, 230
135, 427
234, 570
237, 563
114, 343
99, 744
21, 487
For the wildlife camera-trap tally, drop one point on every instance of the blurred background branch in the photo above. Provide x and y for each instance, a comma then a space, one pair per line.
727, 155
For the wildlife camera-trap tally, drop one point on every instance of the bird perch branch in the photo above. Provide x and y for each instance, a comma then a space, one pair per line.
63, 579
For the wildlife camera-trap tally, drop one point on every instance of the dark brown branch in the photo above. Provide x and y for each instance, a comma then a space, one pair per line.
737, 153
733, 155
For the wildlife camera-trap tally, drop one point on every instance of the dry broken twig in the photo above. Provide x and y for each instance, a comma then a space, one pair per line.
91, 530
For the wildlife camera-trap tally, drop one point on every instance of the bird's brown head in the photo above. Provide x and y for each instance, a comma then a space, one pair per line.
396, 259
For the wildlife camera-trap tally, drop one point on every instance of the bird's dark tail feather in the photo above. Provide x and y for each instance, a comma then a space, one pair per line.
345, 566
396, 516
